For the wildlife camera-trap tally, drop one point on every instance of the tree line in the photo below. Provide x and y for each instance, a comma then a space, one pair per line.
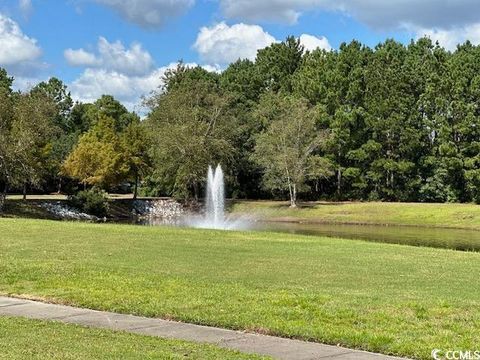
395, 122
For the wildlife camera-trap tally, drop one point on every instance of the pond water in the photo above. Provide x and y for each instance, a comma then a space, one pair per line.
457, 239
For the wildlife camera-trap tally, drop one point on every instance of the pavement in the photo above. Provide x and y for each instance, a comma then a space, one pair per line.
278, 348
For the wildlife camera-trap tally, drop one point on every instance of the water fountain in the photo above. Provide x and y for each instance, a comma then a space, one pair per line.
215, 199
214, 216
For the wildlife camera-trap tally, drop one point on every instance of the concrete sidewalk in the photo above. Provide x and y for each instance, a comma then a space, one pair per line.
278, 348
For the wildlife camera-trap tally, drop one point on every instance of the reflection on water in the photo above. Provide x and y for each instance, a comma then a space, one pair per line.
197, 221
467, 240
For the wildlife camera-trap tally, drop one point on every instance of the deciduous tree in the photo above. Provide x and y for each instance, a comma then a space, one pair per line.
97, 158
191, 127
288, 149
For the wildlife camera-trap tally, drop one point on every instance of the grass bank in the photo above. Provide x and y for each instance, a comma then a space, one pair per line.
465, 216
384, 298
33, 339
32, 208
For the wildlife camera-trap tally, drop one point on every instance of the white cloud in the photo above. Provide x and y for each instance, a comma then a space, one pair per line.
448, 21
148, 13
375, 13
26, 83
20, 55
449, 39
223, 44
16, 48
80, 57
286, 11
213, 68
311, 42
26, 7
128, 74
95, 82
113, 57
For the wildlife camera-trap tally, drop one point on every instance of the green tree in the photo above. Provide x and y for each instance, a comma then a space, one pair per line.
191, 127
278, 62
6, 81
336, 81
61, 145
31, 132
242, 81
86, 116
81, 117
107, 105
426, 69
396, 136
287, 150
6, 120
459, 136
135, 146
57, 92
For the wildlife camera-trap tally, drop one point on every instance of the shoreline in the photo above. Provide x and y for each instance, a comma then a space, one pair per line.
383, 214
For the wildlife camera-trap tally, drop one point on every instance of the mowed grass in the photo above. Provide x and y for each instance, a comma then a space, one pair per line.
465, 216
385, 298
32, 339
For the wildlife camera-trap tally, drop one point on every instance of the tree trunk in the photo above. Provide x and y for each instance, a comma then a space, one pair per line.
339, 182
3, 196
290, 191
135, 189
24, 191
195, 191
59, 186
293, 196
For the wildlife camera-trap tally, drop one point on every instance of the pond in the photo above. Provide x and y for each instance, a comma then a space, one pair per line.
456, 239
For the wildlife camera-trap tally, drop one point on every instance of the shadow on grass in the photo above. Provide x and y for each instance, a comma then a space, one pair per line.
29, 209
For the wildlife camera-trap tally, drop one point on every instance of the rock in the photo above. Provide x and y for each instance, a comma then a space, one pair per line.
161, 208
61, 210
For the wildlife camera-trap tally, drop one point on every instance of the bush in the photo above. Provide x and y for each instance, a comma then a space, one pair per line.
93, 202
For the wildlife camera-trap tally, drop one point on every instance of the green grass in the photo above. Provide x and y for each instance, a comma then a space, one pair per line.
32, 339
50, 197
465, 216
380, 297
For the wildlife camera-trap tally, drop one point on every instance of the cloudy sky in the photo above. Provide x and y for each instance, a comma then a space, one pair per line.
122, 47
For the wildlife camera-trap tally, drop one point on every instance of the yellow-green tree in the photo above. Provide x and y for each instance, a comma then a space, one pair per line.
97, 158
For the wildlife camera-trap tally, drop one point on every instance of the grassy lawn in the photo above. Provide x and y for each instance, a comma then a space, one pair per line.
415, 214
33, 339
380, 297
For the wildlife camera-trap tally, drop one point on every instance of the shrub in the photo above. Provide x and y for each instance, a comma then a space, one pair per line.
93, 202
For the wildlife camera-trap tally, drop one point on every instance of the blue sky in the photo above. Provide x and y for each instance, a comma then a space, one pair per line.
123, 47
